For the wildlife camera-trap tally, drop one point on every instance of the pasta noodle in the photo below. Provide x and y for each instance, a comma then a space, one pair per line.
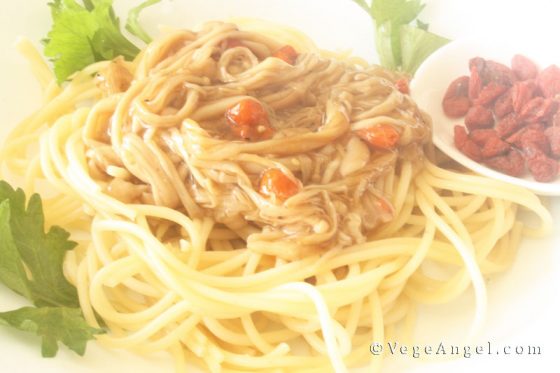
178, 251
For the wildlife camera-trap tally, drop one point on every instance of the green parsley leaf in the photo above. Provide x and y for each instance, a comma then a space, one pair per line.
31, 265
25, 245
108, 42
82, 35
53, 325
68, 44
12, 272
133, 24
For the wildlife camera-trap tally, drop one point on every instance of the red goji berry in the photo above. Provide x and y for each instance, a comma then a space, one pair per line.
523, 68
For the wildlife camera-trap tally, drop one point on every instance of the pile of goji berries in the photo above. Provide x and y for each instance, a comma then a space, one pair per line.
512, 116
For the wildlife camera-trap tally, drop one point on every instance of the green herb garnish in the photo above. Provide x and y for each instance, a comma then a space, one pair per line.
400, 45
31, 266
133, 24
81, 35
53, 325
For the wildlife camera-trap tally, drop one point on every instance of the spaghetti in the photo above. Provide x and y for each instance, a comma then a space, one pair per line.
180, 251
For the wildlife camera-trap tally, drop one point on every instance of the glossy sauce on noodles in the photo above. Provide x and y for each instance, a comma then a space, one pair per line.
164, 135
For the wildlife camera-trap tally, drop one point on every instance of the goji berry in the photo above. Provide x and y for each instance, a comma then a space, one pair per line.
402, 86
496, 72
489, 93
538, 109
494, 146
479, 117
456, 107
521, 93
503, 104
535, 137
548, 81
458, 88
287, 54
471, 150
553, 135
481, 136
456, 102
475, 83
508, 125
511, 164
543, 168
523, 68
460, 136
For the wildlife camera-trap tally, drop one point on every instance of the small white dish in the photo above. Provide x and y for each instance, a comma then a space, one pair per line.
451, 61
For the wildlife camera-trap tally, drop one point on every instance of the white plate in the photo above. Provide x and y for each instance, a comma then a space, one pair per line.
450, 62
523, 303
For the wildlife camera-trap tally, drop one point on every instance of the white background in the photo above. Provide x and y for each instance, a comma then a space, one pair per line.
523, 304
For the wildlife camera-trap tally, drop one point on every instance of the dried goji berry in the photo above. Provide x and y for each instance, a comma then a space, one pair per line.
478, 63
543, 168
508, 125
555, 121
538, 109
489, 93
456, 102
248, 119
475, 83
503, 104
471, 150
402, 86
522, 101
479, 117
535, 137
275, 183
381, 136
489, 141
458, 88
460, 136
510, 164
496, 72
492, 71
493, 147
515, 138
465, 144
523, 68
535, 126
481, 136
553, 135
287, 54
456, 107
521, 93
548, 81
